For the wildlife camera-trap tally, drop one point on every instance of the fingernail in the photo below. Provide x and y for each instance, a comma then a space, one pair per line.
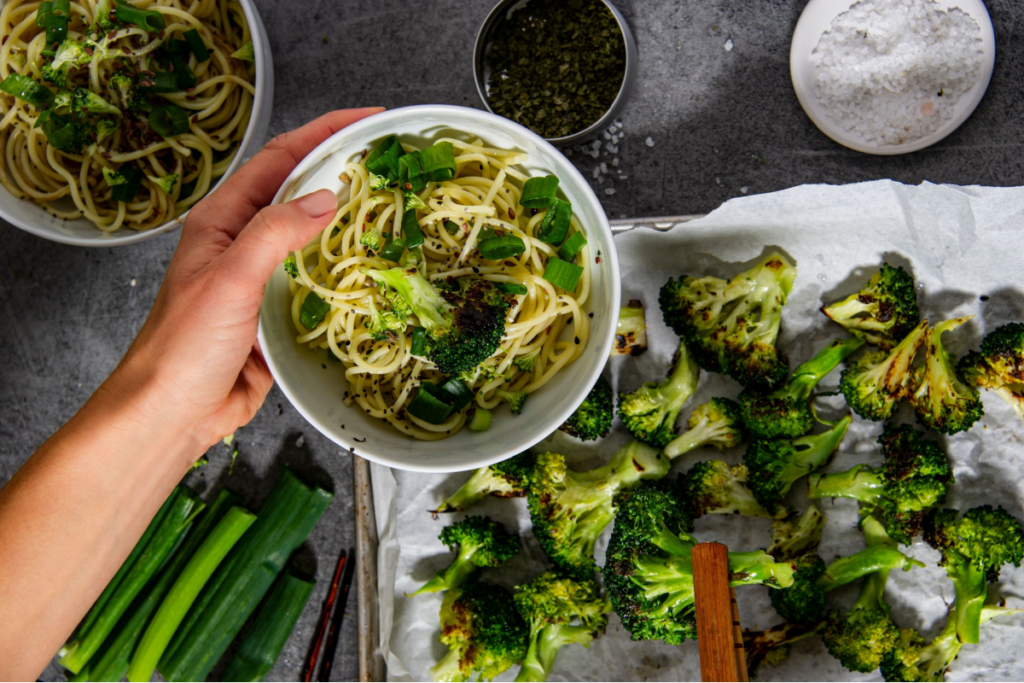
318, 203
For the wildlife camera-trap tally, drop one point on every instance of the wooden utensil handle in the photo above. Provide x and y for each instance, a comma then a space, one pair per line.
717, 623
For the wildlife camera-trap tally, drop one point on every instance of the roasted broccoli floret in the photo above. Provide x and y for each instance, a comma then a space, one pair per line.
464, 320
913, 478
786, 412
569, 510
130, 96
775, 464
712, 487
875, 383
793, 536
732, 326
649, 568
559, 611
481, 542
385, 325
771, 646
593, 419
974, 548
371, 239
527, 361
69, 54
650, 412
999, 366
882, 313
483, 631
516, 399
505, 479
915, 660
942, 400
85, 101
631, 330
716, 423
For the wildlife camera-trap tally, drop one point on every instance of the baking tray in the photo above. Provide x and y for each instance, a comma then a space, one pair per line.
371, 663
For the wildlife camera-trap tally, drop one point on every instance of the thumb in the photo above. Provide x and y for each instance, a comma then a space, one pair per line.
275, 231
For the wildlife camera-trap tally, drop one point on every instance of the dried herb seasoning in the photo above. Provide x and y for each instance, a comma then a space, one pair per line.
556, 65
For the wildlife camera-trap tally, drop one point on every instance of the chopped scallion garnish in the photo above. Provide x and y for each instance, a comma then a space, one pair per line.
126, 191
481, 420
459, 393
555, 224
393, 251
418, 347
383, 160
572, 246
497, 248
538, 193
27, 90
438, 161
313, 311
411, 229
410, 173
147, 20
169, 120
511, 287
563, 274
196, 44
429, 407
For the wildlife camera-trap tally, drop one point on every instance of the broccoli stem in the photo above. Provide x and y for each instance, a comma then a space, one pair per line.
669, 577
757, 567
871, 560
707, 432
805, 377
814, 451
544, 647
456, 574
448, 668
971, 585
861, 483
480, 485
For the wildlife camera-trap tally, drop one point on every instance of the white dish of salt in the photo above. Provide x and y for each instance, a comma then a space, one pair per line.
872, 79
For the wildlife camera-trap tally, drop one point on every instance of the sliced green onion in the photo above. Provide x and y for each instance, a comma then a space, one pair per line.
428, 407
163, 82
511, 287
555, 224
144, 19
314, 309
182, 72
480, 421
487, 233
169, 120
27, 90
497, 248
177, 47
393, 251
459, 395
196, 44
44, 9
185, 591
246, 53
410, 173
62, 7
572, 246
411, 230
418, 347
126, 191
56, 31
451, 226
563, 274
438, 161
188, 188
539, 193
383, 160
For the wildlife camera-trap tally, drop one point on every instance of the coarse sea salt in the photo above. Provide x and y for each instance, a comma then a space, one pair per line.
892, 71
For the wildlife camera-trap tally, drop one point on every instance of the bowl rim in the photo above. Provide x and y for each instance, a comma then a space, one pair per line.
629, 74
261, 49
610, 264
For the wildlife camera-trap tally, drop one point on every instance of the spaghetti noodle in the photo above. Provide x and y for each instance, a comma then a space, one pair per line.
130, 111
477, 212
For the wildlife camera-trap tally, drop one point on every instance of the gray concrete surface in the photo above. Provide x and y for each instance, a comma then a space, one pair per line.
723, 123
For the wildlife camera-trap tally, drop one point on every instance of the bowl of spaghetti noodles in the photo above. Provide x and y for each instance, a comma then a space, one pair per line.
461, 305
116, 118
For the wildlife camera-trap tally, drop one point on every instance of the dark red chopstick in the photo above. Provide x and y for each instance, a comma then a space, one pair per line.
325, 617
336, 619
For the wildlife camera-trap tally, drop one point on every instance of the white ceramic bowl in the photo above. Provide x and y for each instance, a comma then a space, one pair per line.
816, 19
33, 218
315, 386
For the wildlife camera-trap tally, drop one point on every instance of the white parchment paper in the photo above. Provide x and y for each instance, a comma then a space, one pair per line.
963, 245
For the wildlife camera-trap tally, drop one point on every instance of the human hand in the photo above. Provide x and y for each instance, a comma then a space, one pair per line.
197, 352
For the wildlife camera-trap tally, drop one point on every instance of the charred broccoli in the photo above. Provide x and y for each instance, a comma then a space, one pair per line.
732, 326
650, 412
569, 510
786, 412
483, 631
464, 320
593, 419
559, 611
942, 400
974, 548
481, 543
775, 464
875, 383
999, 366
505, 479
792, 537
716, 423
712, 487
882, 313
771, 646
631, 330
648, 570
913, 478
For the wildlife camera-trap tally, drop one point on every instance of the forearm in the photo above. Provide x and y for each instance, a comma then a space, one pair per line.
76, 509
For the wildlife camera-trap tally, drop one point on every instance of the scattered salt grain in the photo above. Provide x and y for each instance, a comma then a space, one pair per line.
133, 282
615, 161
649, 142
597, 171
609, 191
728, 45
892, 71
604, 167
744, 189
300, 442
